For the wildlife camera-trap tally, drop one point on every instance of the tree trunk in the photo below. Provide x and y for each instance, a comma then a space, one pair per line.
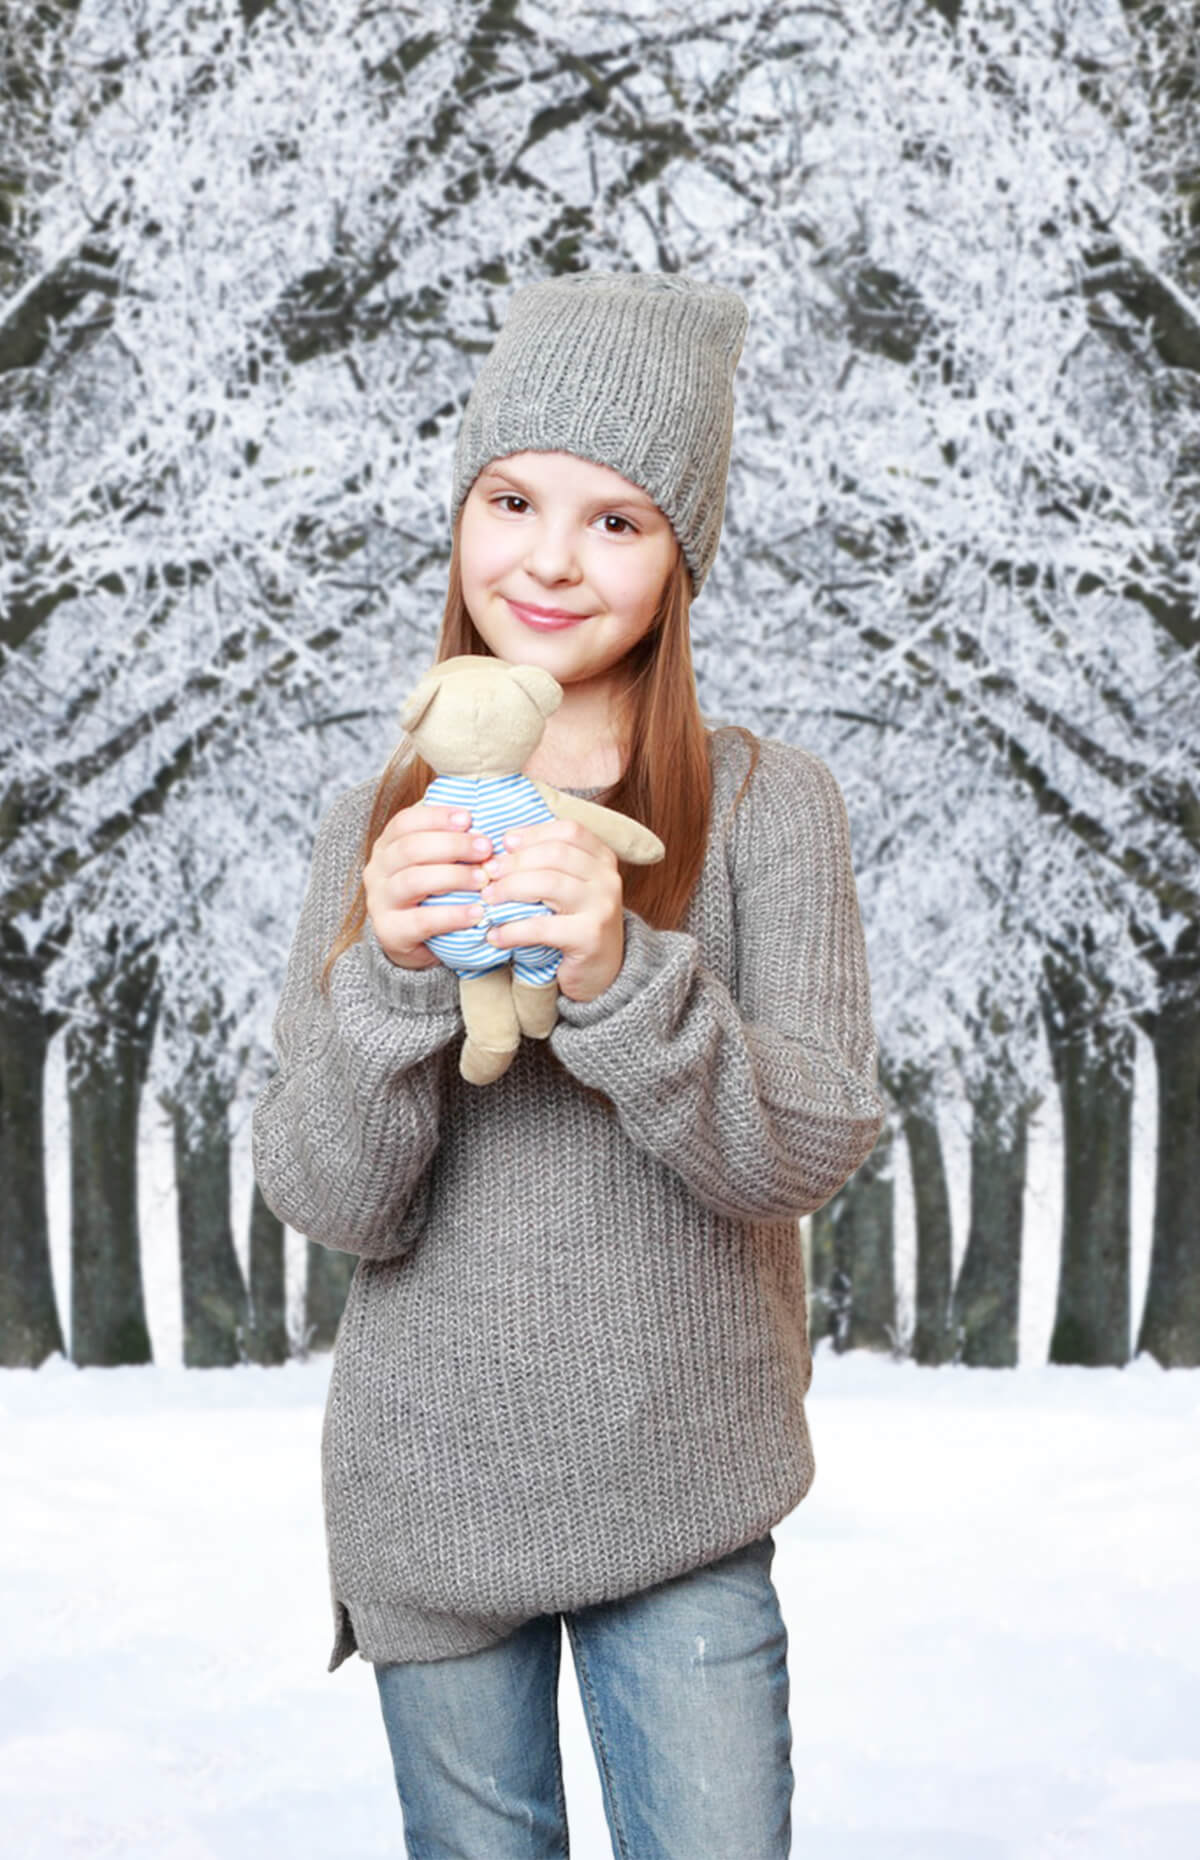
910, 1088
326, 1283
1170, 1327
825, 1299
933, 1333
29, 1326
107, 1061
215, 1313
987, 1296
1093, 1066
864, 1252
267, 1340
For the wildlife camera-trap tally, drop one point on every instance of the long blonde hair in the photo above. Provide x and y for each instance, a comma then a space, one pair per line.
666, 782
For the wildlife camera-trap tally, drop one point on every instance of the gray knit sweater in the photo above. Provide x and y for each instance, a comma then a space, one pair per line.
573, 1357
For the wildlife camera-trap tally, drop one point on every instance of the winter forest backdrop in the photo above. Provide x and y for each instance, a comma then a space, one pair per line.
250, 257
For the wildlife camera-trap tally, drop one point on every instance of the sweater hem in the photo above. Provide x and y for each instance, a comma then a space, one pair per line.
383, 1632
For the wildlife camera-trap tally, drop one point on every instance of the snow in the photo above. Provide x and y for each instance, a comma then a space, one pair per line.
991, 1594
991, 1591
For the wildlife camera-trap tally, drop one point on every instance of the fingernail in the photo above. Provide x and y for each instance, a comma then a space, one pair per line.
482, 845
492, 936
511, 839
460, 818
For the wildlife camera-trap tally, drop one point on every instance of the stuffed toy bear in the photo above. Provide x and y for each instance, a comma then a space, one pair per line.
477, 720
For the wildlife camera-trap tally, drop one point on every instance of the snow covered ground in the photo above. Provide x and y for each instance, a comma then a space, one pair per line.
992, 1596
992, 1593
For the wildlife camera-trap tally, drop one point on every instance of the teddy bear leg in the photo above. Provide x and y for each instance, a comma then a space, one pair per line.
493, 1031
536, 1004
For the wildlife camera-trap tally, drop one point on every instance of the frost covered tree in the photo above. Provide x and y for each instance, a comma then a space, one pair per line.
235, 522
260, 255
982, 546
30, 63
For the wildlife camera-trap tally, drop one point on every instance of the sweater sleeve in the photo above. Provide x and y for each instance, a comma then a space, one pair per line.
344, 1131
764, 1101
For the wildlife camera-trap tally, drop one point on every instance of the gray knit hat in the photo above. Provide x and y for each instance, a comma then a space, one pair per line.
633, 370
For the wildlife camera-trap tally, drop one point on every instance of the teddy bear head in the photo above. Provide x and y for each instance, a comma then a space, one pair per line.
478, 716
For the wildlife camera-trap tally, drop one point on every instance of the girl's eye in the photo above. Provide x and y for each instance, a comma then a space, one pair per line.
505, 500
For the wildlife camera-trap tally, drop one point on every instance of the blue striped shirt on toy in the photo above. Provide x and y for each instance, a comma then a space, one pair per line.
496, 807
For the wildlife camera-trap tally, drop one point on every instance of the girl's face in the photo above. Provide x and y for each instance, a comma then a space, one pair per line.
563, 562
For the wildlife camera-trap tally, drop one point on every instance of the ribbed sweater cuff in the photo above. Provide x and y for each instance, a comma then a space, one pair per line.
409, 991
649, 954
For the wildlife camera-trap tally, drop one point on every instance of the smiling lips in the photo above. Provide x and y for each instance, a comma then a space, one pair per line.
546, 619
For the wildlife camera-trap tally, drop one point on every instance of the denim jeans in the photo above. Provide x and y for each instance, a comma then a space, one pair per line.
685, 1692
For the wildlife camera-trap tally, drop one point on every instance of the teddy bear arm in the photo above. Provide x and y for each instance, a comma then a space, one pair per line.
629, 839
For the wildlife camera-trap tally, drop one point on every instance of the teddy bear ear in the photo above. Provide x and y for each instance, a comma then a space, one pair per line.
417, 703
537, 684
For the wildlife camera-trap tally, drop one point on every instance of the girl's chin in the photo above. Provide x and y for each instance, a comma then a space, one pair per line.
532, 646
562, 666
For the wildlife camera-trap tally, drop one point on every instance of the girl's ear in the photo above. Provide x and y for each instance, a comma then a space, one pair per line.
537, 684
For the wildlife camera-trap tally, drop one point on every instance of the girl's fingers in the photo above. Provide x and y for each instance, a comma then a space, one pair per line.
568, 838
422, 817
414, 882
532, 932
407, 929
423, 852
551, 855
402, 934
559, 856
562, 890
423, 847
431, 919
568, 928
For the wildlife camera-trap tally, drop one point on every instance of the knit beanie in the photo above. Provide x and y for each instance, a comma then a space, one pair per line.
633, 370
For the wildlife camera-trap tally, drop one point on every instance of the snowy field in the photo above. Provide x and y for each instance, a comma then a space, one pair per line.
992, 1594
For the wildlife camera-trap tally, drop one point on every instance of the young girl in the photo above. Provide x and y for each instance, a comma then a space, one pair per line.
569, 1380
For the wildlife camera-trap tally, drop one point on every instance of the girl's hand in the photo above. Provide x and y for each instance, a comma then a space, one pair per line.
422, 850
562, 863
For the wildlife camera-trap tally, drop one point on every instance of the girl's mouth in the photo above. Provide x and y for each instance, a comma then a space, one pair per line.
545, 622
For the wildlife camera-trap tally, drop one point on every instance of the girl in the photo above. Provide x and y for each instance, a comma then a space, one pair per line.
569, 1380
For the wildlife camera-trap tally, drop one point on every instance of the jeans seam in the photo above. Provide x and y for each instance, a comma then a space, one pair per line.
593, 1712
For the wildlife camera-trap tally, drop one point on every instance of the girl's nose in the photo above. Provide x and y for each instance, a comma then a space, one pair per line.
551, 556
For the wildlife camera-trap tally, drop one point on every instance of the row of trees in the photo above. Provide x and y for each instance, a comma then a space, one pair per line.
250, 256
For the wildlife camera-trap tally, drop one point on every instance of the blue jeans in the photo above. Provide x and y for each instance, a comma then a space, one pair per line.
685, 1692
